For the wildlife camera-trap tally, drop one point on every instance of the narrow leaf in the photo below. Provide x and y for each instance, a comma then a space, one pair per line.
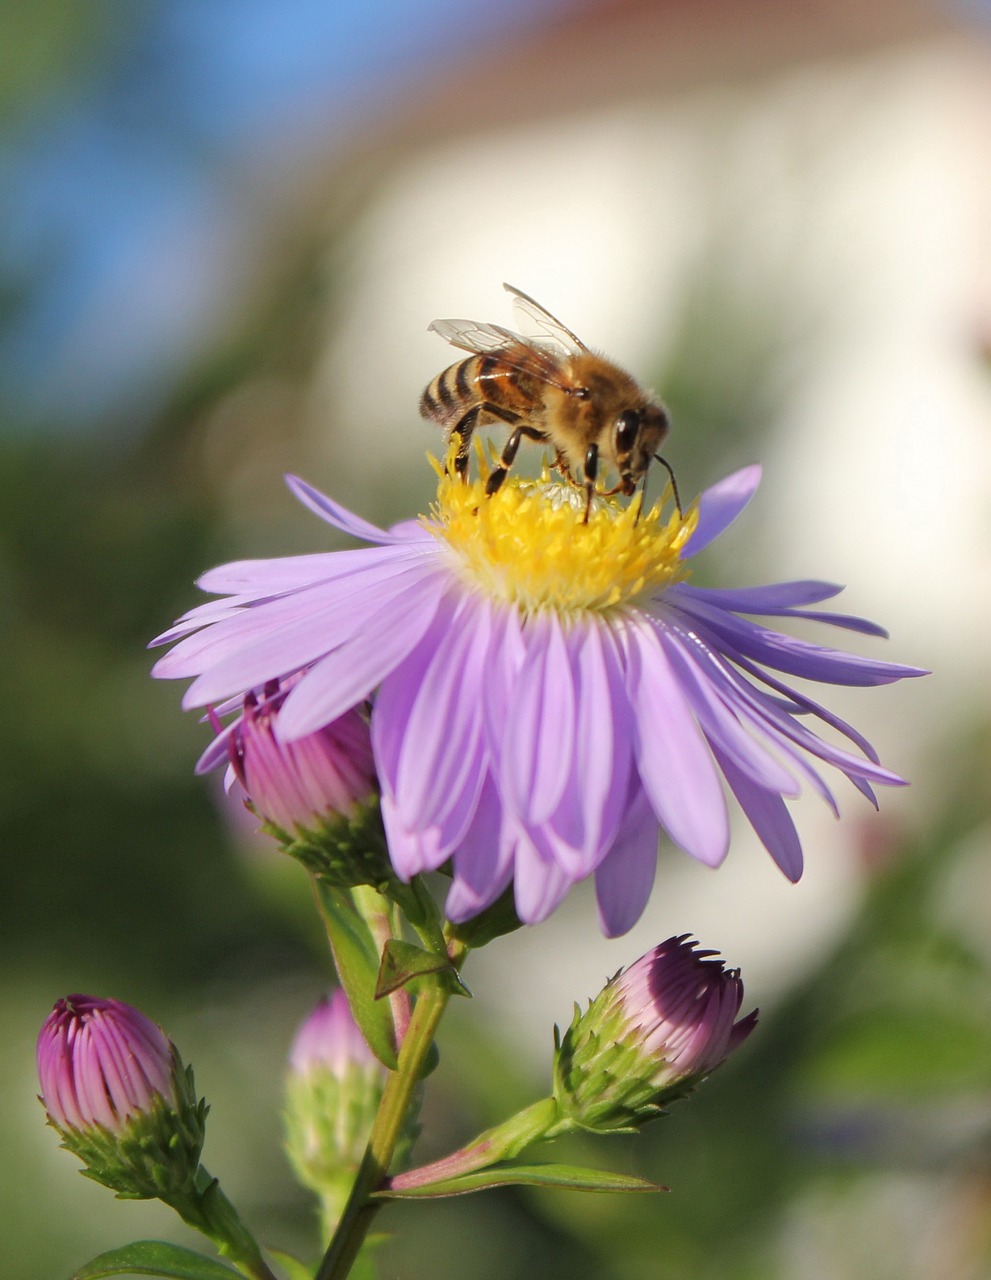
357, 960
155, 1258
566, 1176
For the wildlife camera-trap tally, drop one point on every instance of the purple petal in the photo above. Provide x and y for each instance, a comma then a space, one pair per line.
773, 597
410, 852
865, 788
764, 712
216, 611
773, 601
398, 693
539, 732
410, 531
331, 511
673, 759
539, 884
771, 722
483, 864
274, 576
720, 505
508, 654
219, 749
442, 751
805, 705
279, 635
348, 675
768, 815
720, 725
783, 652
603, 754
626, 876
585, 822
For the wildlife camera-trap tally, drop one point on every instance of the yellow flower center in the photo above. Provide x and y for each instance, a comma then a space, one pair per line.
528, 543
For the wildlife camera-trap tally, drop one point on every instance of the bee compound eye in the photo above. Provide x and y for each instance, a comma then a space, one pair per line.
627, 429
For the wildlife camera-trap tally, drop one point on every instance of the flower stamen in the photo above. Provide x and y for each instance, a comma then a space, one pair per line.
528, 544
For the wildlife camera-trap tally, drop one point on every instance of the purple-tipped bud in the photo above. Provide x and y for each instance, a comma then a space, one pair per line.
333, 1090
99, 1062
652, 1034
330, 1039
114, 1087
302, 784
684, 1002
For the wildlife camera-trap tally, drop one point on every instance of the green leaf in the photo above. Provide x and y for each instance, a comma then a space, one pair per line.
155, 1258
566, 1176
357, 960
404, 961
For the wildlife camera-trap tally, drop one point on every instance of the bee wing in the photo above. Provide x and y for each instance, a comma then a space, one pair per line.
540, 325
527, 355
470, 335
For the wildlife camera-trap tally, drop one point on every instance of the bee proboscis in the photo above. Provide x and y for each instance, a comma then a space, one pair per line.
551, 388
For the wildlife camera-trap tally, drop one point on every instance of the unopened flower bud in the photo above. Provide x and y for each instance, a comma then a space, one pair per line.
333, 1090
299, 784
653, 1033
115, 1089
316, 794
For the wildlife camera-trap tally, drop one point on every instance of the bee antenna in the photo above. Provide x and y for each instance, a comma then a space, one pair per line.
674, 483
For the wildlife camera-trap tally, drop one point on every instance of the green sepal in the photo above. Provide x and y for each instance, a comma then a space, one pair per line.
420, 910
155, 1154
494, 922
328, 1116
356, 957
604, 1080
155, 1258
566, 1176
342, 850
402, 962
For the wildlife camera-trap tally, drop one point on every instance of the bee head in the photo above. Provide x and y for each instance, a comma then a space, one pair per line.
637, 435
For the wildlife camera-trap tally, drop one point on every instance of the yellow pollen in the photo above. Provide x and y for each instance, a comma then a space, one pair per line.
528, 544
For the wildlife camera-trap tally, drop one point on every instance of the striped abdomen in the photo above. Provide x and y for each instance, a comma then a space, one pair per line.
499, 391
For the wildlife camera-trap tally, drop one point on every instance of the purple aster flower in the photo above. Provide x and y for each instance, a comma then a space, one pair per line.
652, 1034
548, 694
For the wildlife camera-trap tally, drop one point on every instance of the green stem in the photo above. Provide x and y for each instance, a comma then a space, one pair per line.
377, 915
499, 1143
208, 1210
397, 1099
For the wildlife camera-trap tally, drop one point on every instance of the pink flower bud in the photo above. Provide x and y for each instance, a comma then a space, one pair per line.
100, 1062
330, 1039
683, 1004
115, 1089
652, 1034
333, 1090
301, 784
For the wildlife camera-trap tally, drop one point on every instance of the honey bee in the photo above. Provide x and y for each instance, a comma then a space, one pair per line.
551, 388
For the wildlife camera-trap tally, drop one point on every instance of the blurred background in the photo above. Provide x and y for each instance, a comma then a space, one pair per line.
225, 227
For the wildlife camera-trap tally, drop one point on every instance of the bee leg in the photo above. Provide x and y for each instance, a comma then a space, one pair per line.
462, 430
509, 456
674, 483
465, 426
591, 471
